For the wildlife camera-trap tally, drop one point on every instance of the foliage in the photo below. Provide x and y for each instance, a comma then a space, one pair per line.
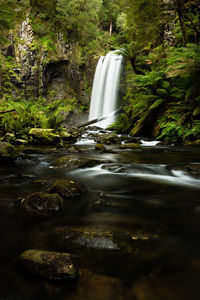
29, 114
78, 18
6, 17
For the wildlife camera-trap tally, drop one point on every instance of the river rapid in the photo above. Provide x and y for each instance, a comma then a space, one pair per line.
138, 224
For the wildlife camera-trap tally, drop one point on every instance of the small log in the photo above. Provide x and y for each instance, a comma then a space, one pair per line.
101, 118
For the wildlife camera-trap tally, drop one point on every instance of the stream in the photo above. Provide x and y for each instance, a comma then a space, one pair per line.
138, 224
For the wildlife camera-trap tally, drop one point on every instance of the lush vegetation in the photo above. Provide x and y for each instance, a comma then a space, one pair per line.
163, 98
160, 39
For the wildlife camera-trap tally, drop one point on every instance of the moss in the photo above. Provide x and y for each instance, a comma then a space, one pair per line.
44, 136
48, 264
67, 188
100, 147
7, 152
130, 146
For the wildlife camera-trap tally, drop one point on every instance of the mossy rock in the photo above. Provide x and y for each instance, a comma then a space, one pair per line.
7, 152
67, 188
100, 147
48, 264
130, 146
73, 162
43, 204
88, 238
44, 136
67, 161
103, 149
108, 139
67, 136
195, 143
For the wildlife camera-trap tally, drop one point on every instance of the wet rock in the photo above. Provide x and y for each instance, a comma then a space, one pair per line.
44, 136
67, 188
103, 149
7, 152
100, 147
73, 149
74, 162
85, 238
51, 265
108, 139
94, 128
114, 167
195, 143
191, 169
130, 146
40, 182
43, 204
67, 136
89, 163
131, 139
68, 161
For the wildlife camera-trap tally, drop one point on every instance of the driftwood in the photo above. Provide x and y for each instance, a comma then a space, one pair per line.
7, 111
117, 111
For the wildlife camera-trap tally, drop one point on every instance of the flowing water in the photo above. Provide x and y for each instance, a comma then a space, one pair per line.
139, 225
104, 99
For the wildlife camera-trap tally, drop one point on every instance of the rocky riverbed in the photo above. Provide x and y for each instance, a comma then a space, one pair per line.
95, 215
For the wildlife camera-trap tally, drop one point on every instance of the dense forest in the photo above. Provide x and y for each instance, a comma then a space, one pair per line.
49, 49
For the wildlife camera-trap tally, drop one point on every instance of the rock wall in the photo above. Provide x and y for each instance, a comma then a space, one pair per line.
60, 74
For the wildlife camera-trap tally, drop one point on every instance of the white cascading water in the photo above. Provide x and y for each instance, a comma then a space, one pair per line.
105, 90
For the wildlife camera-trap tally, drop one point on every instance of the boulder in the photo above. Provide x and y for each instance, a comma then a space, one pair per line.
67, 161
108, 139
7, 152
74, 162
130, 146
43, 204
44, 136
67, 188
48, 264
67, 136
100, 147
103, 149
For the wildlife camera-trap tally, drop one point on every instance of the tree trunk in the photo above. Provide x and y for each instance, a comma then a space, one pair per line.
180, 10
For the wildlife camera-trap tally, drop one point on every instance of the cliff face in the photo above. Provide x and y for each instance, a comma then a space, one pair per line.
39, 71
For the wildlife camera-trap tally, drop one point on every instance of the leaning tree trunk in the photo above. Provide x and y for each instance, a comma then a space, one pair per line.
180, 10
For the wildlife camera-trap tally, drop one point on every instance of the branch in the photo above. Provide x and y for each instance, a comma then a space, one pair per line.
7, 111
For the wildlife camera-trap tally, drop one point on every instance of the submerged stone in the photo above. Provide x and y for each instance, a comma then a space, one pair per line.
48, 264
44, 136
85, 238
67, 188
43, 204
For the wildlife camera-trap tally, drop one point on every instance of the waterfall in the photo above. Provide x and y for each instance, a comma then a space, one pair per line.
105, 90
